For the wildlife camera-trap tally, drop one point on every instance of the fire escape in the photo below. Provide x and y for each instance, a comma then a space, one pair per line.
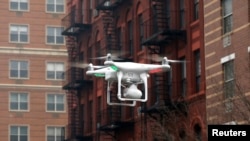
160, 35
74, 76
110, 119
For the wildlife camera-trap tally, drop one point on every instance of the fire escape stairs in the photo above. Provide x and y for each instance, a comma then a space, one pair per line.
108, 7
109, 24
73, 23
162, 34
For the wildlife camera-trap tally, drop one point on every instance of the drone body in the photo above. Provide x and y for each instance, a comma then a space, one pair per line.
128, 75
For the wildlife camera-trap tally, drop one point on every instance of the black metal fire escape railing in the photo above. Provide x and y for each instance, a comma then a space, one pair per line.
158, 35
159, 31
76, 21
107, 7
74, 24
111, 119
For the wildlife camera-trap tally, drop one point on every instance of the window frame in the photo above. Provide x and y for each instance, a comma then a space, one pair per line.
19, 102
197, 65
196, 9
225, 16
19, 6
55, 35
55, 71
19, 128
55, 102
55, 5
19, 26
182, 13
130, 36
18, 70
228, 79
55, 128
228, 97
141, 30
183, 77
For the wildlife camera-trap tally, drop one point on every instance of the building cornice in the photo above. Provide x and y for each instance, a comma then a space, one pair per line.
33, 51
27, 86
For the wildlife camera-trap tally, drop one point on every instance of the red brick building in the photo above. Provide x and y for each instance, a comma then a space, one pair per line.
175, 109
33, 59
227, 61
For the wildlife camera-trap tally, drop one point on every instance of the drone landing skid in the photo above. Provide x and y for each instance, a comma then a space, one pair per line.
134, 91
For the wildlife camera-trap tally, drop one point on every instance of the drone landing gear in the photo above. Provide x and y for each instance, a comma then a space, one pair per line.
132, 93
117, 103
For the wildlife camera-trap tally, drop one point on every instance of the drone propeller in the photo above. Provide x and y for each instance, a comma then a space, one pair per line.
84, 65
109, 57
160, 59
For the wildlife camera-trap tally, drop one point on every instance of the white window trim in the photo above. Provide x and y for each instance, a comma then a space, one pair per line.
17, 78
64, 10
28, 2
54, 62
64, 102
227, 58
28, 101
61, 126
53, 44
28, 30
28, 126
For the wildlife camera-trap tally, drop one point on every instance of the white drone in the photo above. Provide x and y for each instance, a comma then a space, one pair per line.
128, 75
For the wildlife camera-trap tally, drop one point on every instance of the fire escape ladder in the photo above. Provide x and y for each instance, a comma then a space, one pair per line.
159, 28
160, 14
73, 22
74, 124
109, 24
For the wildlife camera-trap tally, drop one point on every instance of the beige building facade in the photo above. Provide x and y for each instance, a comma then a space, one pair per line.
33, 59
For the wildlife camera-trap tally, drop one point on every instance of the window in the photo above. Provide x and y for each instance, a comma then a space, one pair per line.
19, 5
55, 71
228, 85
141, 31
168, 14
55, 102
196, 9
90, 112
19, 33
19, 69
182, 14
227, 16
183, 78
197, 70
18, 101
55, 133
55, 6
54, 35
198, 132
119, 38
18, 133
228, 68
130, 37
